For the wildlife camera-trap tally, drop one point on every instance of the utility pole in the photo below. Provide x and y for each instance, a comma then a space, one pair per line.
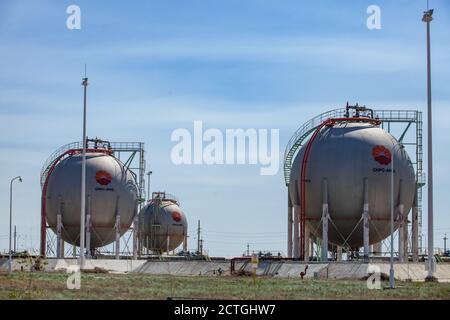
427, 18
10, 220
445, 243
148, 188
248, 249
198, 237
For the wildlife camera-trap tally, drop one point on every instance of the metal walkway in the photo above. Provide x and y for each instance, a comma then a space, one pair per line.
117, 148
389, 116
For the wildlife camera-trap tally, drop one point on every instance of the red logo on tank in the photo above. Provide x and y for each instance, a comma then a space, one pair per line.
382, 155
176, 216
102, 177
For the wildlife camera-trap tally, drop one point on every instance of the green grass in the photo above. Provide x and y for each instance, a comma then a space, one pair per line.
140, 286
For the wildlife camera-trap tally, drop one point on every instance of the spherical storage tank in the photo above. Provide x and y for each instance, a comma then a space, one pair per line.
111, 190
162, 224
345, 153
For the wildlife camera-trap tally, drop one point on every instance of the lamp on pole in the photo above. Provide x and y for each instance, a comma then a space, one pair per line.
10, 220
427, 18
148, 188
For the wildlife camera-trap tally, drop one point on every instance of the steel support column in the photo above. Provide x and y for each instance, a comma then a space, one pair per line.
289, 231
324, 220
366, 220
339, 253
135, 236
59, 241
377, 248
307, 238
88, 227
296, 231
117, 227
415, 230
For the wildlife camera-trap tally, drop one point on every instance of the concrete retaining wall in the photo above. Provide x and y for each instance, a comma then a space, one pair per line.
280, 269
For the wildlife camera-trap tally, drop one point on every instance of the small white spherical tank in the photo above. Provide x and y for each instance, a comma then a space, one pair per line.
345, 154
111, 190
162, 225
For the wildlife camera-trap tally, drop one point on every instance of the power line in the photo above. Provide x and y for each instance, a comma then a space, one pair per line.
234, 232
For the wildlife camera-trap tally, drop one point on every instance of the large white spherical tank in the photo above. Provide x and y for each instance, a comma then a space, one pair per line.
160, 219
110, 190
345, 154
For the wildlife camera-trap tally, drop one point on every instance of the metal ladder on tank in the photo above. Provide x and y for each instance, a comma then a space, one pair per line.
301, 134
420, 177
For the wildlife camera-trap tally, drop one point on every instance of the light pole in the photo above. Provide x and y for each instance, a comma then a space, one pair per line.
391, 269
427, 18
15, 239
148, 188
83, 179
10, 220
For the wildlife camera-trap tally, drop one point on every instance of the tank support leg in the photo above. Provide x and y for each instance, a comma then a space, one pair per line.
140, 239
366, 221
117, 237
59, 241
401, 234
377, 248
296, 229
88, 235
405, 232
339, 253
135, 235
307, 239
290, 222
88, 227
168, 243
415, 230
401, 227
185, 248
324, 220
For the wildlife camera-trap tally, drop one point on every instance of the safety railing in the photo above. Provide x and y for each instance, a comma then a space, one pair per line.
55, 155
115, 147
308, 127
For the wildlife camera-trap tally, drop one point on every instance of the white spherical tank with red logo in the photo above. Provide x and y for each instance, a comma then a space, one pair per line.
163, 225
345, 154
111, 190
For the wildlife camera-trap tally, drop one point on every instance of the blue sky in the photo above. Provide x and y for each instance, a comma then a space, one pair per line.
156, 66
